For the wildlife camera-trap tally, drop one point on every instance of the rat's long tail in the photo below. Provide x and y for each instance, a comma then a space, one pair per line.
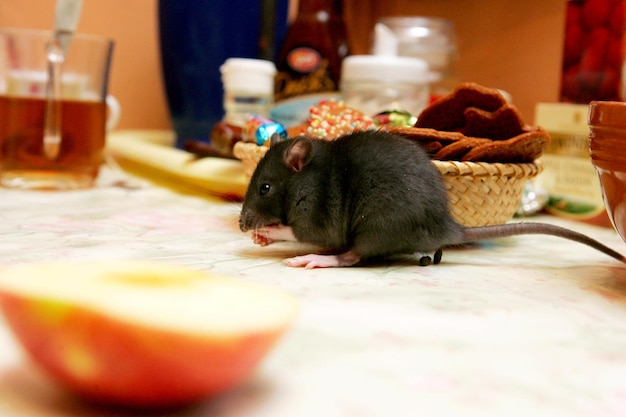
473, 234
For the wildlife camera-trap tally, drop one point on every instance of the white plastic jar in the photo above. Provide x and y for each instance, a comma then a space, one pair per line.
377, 83
248, 88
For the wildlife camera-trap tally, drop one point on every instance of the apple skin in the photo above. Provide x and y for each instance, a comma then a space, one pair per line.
116, 362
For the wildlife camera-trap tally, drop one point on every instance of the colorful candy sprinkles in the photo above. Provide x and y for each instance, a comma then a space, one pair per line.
330, 119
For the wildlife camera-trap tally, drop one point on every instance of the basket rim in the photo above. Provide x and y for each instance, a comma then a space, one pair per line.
488, 169
446, 168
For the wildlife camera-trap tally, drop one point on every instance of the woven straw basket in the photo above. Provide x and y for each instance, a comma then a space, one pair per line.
480, 193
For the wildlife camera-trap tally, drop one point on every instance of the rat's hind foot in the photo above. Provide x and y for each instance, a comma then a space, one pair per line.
323, 261
438, 255
426, 259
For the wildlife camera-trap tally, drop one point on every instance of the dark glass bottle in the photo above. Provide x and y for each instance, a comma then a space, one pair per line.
312, 51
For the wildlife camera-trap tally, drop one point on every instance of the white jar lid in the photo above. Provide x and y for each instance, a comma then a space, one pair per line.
249, 75
385, 68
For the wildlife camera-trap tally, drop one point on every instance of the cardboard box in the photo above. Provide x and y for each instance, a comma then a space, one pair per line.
569, 176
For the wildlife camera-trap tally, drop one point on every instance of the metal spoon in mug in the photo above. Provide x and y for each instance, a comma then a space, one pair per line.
66, 17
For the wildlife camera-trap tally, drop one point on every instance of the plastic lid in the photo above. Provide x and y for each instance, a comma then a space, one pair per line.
250, 75
384, 68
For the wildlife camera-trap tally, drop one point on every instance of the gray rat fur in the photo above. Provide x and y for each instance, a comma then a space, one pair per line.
369, 194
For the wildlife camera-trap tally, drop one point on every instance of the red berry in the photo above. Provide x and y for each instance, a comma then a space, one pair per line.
616, 20
615, 53
572, 47
595, 49
573, 14
569, 84
608, 89
595, 13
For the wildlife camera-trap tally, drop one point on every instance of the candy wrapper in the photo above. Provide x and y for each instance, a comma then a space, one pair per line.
395, 118
259, 130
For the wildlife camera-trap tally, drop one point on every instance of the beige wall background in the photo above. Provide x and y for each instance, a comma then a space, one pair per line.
509, 44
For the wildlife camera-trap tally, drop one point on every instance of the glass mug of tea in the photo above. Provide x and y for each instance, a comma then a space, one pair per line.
84, 110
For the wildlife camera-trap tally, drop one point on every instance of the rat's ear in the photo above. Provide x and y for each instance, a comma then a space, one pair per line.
275, 138
299, 153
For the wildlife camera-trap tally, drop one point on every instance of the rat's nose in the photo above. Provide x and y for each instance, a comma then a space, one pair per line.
242, 225
244, 221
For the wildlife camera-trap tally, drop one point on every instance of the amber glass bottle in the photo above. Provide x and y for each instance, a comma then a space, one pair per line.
312, 51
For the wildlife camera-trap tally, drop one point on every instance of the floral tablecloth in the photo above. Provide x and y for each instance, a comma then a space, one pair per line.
532, 326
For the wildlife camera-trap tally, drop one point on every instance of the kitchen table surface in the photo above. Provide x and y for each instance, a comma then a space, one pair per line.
529, 326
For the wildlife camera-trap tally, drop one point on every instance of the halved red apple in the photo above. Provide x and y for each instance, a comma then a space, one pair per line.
142, 334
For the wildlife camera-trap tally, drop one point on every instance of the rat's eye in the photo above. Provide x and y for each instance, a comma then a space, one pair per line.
265, 188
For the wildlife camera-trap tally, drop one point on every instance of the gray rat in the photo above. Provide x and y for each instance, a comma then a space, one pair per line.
368, 194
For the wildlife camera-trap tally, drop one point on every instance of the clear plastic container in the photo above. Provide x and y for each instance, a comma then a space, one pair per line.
431, 39
248, 88
377, 83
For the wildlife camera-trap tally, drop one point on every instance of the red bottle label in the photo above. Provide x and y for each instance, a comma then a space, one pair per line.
304, 60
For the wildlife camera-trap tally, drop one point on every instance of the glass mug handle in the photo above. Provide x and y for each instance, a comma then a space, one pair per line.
114, 113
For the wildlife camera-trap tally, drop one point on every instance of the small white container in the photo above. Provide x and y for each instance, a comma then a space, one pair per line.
377, 83
248, 88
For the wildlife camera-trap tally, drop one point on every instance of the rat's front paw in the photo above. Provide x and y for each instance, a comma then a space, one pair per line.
267, 235
261, 239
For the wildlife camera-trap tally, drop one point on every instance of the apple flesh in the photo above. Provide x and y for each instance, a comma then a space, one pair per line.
142, 334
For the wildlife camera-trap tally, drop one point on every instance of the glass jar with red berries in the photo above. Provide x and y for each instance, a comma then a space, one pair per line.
593, 51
